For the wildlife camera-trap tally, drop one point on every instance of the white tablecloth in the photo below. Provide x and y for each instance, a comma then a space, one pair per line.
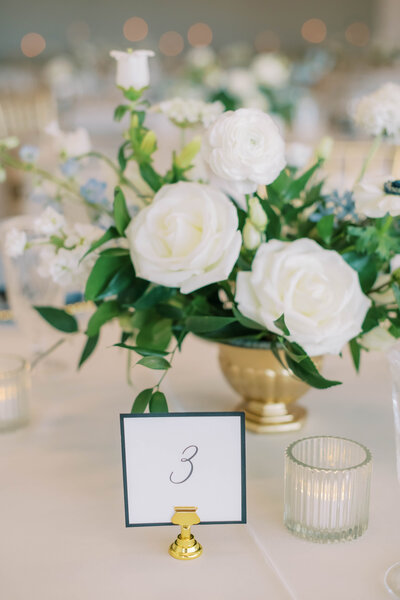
61, 499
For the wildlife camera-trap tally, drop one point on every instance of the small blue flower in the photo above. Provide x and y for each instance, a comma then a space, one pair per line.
70, 167
29, 154
94, 191
340, 205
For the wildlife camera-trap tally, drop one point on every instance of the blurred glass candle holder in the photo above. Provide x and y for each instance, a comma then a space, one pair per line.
14, 391
327, 489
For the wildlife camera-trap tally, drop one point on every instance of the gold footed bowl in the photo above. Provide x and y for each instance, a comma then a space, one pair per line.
269, 391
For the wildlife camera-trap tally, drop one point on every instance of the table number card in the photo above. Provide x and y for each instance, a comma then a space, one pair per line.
184, 459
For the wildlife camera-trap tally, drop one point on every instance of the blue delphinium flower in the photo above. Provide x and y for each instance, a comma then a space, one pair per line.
94, 191
70, 167
29, 154
340, 205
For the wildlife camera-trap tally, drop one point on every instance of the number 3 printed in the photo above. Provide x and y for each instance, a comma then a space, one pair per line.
186, 459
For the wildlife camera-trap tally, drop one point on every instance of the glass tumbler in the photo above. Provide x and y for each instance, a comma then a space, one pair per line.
14, 391
327, 488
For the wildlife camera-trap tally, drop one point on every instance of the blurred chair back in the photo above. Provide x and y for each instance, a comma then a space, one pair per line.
26, 115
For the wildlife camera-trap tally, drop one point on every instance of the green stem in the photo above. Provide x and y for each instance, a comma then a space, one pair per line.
129, 368
43, 355
371, 153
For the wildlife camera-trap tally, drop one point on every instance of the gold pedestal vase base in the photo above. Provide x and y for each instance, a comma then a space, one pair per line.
268, 389
185, 549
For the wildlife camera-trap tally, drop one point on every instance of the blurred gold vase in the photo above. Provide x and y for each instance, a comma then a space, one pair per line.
269, 391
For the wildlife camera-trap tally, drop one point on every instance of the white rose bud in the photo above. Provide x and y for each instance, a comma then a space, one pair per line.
132, 68
324, 148
251, 236
244, 149
187, 238
318, 293
257, 214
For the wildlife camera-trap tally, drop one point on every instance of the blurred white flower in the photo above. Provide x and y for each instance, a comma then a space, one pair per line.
318, 293
244, 149
187, 238
9, 142
298, 155
201, 57
377, 196
50, 222
185, 112
379, 112
395, 263
271, 70
241, 83
70, 143
378, 339
15, 242
132, 68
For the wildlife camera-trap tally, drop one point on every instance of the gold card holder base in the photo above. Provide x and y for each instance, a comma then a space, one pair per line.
185, 547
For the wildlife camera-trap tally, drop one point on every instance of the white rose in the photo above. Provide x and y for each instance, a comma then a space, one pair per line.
318, 293
50, 222
15, 243
186, 238
378, 339
132, 68
379, 112
271, 70
245, 149
372, 200
71, 143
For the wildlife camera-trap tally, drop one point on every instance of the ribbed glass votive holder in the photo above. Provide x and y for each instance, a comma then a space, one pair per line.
14, 391
327, 488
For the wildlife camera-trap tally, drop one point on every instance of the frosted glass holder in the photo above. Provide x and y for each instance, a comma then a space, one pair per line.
327, 489
14, 391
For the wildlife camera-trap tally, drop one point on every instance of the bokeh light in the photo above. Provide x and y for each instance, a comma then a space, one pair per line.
78, 32
135, 29
267, 41
171, 43
358, 34
314, 31
33, 44
200, 34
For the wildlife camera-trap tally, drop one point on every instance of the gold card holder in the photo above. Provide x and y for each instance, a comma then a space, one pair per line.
185, 547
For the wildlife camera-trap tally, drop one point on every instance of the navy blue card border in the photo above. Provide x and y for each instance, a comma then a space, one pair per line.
186, 414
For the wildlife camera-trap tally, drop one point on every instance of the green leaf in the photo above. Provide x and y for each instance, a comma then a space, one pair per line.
325, 227
104, 313
153, 296
151, 177
88, 349
154, 362
122, 160
120, 112
355, 350
141, 401
110, 234
307, 371
142, 351
102, 273
297, 186
274, 224
280, 323
119, 283
57, 318
158, 403
245, 321
207, 324
154, 332
115, 252
366, 267
374, 316
122, 217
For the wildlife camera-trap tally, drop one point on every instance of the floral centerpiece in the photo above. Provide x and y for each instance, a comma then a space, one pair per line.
248, 252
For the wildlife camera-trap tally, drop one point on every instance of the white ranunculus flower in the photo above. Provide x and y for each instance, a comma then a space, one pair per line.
132, 68
271, 70
50, 222
378, 339
318, 293
187, 238
15, 242
71, 143
372, 199
191, 112
379, 112
244, 149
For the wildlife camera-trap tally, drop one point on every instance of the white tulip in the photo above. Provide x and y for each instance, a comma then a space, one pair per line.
132, 68
244, 149
187, 238
372, 199
318, 293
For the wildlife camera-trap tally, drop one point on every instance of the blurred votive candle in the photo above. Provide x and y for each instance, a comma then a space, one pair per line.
14, 391
327, 488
